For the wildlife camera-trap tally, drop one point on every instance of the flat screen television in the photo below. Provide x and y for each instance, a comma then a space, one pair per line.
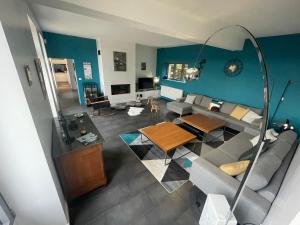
145, 83
59, 68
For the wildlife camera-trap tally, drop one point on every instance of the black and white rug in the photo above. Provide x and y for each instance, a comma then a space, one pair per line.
176, 173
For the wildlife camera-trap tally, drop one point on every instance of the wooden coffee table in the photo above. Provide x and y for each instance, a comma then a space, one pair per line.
167, 137
204, 123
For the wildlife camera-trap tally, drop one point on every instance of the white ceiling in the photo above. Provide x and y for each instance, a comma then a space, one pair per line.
165, 22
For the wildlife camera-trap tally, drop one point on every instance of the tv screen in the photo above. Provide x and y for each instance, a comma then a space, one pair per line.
59, 68
145, 83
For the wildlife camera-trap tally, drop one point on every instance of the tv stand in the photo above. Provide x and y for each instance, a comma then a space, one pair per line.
148, 93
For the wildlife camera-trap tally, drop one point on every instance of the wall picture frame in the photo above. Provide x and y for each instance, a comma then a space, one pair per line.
39, 71
28, 74
119, 61
87, 70
143, 66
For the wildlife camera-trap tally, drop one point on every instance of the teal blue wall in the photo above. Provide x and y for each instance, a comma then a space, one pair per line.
283, 62
77, 48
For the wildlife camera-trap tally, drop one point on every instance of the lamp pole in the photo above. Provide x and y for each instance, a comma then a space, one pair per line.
259, 146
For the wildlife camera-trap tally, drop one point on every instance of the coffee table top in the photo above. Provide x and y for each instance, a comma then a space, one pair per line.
167, 136
202, 122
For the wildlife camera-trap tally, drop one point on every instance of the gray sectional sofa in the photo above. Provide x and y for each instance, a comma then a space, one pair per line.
262, 186
201, 104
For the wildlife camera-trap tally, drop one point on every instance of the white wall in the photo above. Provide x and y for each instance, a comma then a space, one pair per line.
148, 55
47, 76
286, 206
28, 179
109, 76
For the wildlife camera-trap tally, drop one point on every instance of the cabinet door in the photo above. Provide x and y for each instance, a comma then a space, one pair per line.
82, 171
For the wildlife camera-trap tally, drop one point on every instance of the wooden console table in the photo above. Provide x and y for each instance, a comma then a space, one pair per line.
80, 167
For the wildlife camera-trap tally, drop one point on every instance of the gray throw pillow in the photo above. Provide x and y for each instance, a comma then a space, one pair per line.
288, 136
198, 99
248, 154
205, 101
263, 171
257, 122
227, 107
256, 110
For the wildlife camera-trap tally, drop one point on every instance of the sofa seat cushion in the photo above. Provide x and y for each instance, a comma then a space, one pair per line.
237, 145
236, 124
218, 157
179, 107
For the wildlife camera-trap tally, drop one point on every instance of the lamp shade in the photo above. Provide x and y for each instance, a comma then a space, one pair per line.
156, 80
192, 73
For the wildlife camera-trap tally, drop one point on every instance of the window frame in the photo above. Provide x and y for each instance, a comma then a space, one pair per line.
172, 77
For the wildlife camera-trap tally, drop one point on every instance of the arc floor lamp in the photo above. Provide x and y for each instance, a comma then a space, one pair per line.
194, 74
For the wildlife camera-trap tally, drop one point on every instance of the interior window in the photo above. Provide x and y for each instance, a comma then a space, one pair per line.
177, 71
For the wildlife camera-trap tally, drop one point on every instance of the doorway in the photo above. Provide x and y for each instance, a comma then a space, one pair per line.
65, 81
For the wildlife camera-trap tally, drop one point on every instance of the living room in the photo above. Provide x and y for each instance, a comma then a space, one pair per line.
129, 116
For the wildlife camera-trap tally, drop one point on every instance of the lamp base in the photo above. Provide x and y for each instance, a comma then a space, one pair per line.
216, 211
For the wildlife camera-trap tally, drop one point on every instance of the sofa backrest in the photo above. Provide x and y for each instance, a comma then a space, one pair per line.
270, 161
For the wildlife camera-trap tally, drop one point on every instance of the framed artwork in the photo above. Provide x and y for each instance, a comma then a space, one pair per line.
28, 74
39, 71
119, 61
87, 70
143, 66
233, 67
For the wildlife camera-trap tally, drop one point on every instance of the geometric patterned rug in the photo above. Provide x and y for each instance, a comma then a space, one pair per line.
176, 173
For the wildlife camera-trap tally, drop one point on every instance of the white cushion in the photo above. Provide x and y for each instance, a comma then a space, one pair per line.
190, 99
251, 116
271, 134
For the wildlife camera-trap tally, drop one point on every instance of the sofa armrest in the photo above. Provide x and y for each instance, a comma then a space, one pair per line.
182, 99
211, 180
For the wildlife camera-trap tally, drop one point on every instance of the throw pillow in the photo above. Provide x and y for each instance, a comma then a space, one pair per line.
205, 101
239, 112
236, 168
257, 122
198, 99
251, 116
248, 154
215, 106
190, 99
263, 171
271, 135
227, 107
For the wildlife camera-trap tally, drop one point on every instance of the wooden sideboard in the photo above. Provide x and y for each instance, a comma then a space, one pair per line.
80, 167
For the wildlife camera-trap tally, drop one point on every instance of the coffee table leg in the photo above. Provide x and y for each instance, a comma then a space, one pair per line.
166, 155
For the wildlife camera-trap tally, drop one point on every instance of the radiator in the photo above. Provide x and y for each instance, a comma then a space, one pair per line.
170, 92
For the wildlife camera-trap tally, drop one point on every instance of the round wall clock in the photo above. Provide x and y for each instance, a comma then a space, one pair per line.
233, 67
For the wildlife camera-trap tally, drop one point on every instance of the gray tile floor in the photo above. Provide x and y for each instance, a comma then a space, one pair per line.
132, 196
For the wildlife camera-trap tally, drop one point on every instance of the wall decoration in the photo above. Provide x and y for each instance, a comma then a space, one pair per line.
28, 74
143, 66
87, 70
120, 61
233, 67
39, 71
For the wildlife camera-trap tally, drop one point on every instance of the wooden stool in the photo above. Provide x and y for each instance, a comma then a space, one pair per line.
149, 100
154, 106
